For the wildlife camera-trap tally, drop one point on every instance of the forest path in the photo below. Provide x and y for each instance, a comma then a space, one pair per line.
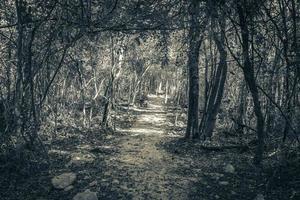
149, 169
145, 158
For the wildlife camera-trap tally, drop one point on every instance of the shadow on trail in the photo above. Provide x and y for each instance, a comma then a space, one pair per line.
162, 165
150, 170
146, 158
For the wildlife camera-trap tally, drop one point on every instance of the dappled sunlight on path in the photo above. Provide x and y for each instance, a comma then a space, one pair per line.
150, 120
149, 168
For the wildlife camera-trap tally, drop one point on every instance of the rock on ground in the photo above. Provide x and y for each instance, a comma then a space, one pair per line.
64, 180
224, 183
229, 169
70, 187
259, 197
81, 158
86, 195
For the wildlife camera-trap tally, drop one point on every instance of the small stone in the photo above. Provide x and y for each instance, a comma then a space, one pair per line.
217, 196
81, 158
115, 181
229, 169
64, 180
224, 183
107, 173
86, 195
93, 183
70, 187
260, 197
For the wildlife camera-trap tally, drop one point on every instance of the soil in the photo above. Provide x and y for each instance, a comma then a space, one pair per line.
145, 158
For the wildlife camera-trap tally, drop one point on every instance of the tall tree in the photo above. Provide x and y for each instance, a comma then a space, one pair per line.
245, 14
215, 96
195, 39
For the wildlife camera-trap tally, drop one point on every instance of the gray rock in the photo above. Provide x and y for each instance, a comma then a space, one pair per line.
80, 158
229, 168
259, 197
224, 183
64, 180
115, 181
70, 187
94, 183
86, 195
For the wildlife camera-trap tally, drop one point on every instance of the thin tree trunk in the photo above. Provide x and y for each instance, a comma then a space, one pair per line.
166, 92
250, 80
195, 40
215, 101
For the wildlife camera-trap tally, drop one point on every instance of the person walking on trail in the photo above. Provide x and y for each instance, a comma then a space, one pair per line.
143, 100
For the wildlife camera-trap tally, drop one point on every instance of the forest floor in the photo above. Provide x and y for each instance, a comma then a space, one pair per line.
145, 158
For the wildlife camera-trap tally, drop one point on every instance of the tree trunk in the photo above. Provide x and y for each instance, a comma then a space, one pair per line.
250, 80
218, 88
195, 41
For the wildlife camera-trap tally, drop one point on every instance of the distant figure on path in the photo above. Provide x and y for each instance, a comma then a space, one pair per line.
143, 99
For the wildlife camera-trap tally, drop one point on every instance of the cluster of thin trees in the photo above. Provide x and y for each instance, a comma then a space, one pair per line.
84, 55
262, 39
94, 55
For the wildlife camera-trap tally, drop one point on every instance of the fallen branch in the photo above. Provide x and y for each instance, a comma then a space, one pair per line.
243, 125
282, 113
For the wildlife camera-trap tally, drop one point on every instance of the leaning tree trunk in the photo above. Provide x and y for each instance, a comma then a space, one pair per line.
109, 88
251, 82
107, 94
218, 87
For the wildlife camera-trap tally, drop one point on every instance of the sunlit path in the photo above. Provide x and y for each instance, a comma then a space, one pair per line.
150, 120
149, 167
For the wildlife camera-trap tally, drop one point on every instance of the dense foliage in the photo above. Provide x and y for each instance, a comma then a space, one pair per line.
231, 66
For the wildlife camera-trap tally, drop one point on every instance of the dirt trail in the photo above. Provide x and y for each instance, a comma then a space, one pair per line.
151, 171
145, 161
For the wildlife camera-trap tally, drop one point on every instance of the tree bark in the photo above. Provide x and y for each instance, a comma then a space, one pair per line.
251, 82
218, 88
195, 41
